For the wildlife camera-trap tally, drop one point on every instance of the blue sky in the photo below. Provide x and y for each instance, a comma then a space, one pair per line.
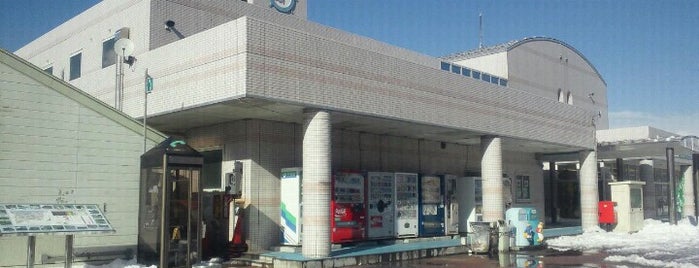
647, 51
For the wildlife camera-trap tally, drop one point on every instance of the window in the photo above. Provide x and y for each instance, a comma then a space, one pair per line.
485, 77
503, 82
75, 62
465, 72
560, 95
522, 192
211, 171
445, 66
49, 70
456, 69
108, 54
476, 75
494, 80
570, 98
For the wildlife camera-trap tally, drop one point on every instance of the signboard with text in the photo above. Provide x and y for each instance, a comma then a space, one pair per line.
32, 219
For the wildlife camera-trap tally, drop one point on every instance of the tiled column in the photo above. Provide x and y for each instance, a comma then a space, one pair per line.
646, 174
317, 153
588, 189
688, 208
491, 171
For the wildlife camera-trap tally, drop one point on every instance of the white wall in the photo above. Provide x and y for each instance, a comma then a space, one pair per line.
55, 150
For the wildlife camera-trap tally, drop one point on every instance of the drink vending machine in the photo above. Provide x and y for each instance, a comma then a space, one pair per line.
431, 216
525, 222
380, 205
407, 205
348, 212
466, 194
290, 206
451, 208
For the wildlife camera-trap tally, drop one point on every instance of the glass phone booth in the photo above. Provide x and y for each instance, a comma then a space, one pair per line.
169, 219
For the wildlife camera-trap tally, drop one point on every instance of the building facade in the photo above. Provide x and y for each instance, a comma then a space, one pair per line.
257, 83
62, 146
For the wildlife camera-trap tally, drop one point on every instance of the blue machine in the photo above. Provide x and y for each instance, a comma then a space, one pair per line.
431, 206
525, 223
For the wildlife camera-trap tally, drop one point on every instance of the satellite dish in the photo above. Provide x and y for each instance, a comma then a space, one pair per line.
123, 47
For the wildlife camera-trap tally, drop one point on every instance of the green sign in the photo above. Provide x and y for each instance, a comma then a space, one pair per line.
149, 84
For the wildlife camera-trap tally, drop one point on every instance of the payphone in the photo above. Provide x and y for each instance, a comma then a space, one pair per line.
169, 222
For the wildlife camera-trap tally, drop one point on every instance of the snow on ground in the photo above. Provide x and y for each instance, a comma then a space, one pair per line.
658, 244
118, 263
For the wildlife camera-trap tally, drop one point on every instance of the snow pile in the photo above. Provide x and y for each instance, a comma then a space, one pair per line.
658, 244
118, 263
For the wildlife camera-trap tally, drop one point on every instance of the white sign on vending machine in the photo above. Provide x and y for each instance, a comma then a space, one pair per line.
290, 206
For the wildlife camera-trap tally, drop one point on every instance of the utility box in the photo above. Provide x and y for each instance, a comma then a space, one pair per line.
628, 196
607, 214
524, 221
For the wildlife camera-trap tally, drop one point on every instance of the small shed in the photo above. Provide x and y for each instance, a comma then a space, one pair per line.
60, 145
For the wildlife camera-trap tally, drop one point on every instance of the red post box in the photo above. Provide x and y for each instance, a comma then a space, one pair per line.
606, 212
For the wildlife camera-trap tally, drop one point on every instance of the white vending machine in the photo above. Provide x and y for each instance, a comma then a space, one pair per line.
290, 206
466, 194
406, 204
451, 205
380, 202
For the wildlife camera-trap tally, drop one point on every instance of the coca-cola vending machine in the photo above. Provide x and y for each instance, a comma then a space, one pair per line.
348, 211
380, 204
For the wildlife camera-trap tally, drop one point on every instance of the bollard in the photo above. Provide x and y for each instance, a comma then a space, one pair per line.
503, 238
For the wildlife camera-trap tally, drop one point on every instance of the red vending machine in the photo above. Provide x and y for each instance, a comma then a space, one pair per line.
348, 210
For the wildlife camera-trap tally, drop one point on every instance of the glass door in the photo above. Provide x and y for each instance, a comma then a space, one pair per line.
184, 216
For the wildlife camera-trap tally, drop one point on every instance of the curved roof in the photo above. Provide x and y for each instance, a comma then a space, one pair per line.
505, 47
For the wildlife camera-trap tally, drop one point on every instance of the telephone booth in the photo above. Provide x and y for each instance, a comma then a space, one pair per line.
169, 219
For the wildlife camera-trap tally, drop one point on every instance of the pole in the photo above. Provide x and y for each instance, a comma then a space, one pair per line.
480, 30
121, 79
69, 251
116, 81
145, 112
695, 181
670, 156
31, 245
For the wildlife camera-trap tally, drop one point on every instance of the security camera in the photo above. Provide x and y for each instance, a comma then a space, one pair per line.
169, 24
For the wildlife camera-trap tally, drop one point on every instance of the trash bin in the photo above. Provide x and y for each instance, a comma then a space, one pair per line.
480, 237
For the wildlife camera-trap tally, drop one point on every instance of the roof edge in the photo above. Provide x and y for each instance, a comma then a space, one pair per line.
506, 47
74, 93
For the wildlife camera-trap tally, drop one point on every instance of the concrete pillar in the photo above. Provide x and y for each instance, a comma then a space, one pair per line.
317, 174
491, 171
620, 175
695, 179
670, 157
646, 174
589, 196
688, 187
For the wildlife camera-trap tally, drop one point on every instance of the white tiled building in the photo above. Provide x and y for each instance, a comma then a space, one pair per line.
245, 81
